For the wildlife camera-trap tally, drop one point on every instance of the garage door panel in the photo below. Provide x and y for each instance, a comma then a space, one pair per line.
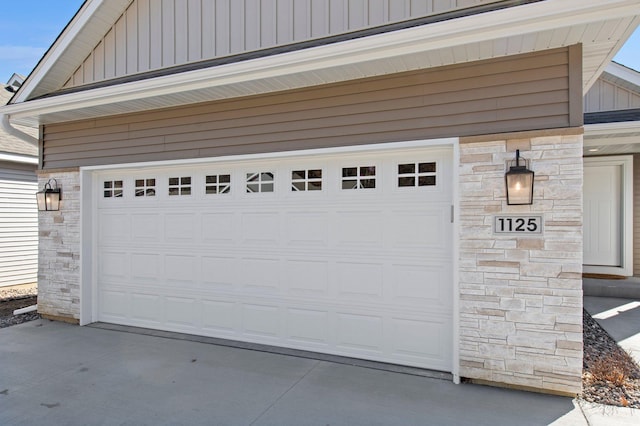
261, 320
114, 266
308, 327
146, 228
359, 332
147, 308
181, 269
420, 228
114, 227
219, 272
419, 340
114, 305
260, 228
146, 267
306, 229
358, 228
219, 317
362, 273
360, 281
261, 275
182, 312
307, 278
218, 228
423, 285
180, 228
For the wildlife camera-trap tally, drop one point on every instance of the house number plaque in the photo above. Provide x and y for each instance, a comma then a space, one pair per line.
516, 224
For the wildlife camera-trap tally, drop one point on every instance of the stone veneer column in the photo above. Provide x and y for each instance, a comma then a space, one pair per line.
521, 297
59, 250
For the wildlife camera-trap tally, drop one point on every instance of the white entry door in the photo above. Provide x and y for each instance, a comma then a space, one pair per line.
602, 214
346, 254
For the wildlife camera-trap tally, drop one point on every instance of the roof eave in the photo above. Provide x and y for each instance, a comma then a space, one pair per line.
363, 57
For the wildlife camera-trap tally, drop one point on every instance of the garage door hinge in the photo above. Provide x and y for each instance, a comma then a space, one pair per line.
452, 214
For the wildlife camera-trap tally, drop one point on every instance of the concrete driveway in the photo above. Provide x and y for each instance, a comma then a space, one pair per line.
60, 374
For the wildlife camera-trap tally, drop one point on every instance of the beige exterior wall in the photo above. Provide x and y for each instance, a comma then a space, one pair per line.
154, 34
516, 93
521, 297
59, 250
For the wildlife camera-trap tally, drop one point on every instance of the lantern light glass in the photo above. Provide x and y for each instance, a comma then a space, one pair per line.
519, 181
49, 198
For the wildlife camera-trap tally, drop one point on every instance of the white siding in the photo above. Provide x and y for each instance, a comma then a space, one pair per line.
153, 34
608, 96
18, 226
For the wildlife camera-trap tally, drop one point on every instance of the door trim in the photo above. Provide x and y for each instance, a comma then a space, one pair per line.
626, 209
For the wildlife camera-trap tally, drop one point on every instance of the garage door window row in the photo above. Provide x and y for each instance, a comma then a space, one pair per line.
352, 178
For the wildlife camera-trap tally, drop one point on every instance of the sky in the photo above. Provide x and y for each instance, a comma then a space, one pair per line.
29, 27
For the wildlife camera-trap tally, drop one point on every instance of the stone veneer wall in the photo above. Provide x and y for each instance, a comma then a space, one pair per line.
59, 250
521, 297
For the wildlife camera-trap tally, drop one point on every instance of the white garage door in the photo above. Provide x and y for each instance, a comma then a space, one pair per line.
346, 254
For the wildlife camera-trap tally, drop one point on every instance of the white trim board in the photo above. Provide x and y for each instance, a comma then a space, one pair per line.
626, 231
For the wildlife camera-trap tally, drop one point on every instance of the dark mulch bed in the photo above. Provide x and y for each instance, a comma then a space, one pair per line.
8, 306
610, 376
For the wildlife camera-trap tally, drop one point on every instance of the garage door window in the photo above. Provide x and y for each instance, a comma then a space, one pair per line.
416, 174
113, 189
180, 185
306, 180
362, 177
260, 182
218, 184
145, 187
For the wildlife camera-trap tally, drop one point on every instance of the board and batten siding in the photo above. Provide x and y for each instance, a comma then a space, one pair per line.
154, 34
18, 224
608, 96
524, 92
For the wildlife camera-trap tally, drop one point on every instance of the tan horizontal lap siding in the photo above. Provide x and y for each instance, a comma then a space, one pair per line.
525, 92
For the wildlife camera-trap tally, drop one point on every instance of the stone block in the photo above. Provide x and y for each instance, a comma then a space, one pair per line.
512, 304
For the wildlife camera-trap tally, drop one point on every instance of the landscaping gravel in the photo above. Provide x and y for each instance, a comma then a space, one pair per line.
609, 376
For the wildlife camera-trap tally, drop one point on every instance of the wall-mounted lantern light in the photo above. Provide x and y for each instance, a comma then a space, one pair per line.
519, 182
49, 198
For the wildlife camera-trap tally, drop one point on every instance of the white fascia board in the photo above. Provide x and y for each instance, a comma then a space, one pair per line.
17, 158
545, 15
624, 73
629, 75
611, 128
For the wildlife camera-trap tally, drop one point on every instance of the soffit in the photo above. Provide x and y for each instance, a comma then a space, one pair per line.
601, 26
612, 138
